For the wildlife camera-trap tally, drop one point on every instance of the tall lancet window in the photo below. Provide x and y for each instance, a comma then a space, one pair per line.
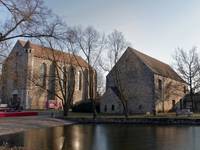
80, 80
64, 77
52, 82
43, 71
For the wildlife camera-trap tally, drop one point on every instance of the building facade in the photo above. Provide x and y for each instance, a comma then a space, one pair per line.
186, 102
141, 84
39, 74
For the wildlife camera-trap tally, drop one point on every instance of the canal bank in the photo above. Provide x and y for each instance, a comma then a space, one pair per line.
137, 120
20, 124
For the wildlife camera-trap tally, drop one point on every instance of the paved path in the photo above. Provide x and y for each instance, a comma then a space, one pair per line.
18, 124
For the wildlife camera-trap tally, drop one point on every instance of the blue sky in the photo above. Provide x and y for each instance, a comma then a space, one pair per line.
155, 27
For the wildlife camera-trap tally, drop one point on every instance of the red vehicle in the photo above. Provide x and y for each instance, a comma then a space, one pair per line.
53, 104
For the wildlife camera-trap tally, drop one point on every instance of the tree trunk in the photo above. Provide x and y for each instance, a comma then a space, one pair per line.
91, 93
191, 94
94, 110
192, 100
65, 110
126, 114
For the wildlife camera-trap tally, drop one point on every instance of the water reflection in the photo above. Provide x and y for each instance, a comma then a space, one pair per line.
107, 137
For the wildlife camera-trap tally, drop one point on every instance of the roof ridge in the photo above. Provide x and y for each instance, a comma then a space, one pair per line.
22, 42
45, 52
31, 45
148, 56
157, 66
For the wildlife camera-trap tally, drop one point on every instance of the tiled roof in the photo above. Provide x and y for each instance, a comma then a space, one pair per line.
157, 66
52, 54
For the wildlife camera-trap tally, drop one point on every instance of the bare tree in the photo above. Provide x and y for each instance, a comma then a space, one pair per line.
26, 19
121, 90
116, 44
100, 81
32, 19
90, 43
65, 75
62, 73
187, 65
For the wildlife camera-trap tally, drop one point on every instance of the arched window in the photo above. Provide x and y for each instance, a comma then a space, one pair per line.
64, 77
80, 80
43, 71
86, 84
52, 82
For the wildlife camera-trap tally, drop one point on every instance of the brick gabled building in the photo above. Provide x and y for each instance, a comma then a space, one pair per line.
28, 62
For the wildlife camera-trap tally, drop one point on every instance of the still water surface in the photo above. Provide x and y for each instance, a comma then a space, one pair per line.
107, 137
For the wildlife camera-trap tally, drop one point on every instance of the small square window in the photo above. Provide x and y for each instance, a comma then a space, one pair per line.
113, 107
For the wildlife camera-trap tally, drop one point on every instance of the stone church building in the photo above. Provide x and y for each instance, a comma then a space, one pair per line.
29, 71
143, 84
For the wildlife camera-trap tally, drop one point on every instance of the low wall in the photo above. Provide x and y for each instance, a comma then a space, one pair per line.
150, 121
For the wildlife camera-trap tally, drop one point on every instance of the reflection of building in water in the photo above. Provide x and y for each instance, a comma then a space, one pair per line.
79, 137
100, 138
51, 138
70, 137
176, 138
107, 137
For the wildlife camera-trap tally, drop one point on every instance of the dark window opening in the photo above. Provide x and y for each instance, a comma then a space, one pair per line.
181, 103
184, 89
105, 108
160, 84
52, 82
113, 107
173, 104
140, 107
43, 69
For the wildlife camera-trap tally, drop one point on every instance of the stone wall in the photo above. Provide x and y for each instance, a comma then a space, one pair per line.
110, 103
144, 90
168, 97
135, 82
39, 95
14, 73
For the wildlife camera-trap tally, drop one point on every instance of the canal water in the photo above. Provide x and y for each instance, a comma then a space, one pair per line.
107, 137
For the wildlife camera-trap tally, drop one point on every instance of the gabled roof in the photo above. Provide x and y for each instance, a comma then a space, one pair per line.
52, 54
116, 91
157, 66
